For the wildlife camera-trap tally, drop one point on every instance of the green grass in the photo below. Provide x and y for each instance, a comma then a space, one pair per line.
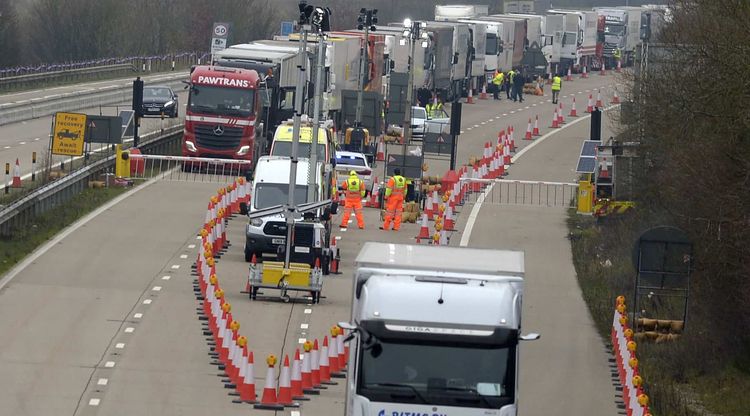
602, 258
25, 240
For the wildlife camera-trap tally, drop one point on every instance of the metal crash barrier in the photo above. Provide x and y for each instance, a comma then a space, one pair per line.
518, 192
132, 164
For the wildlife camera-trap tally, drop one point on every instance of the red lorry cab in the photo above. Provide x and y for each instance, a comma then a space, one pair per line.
221, 115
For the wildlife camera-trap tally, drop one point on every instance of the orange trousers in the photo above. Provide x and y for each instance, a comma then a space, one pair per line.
356, 205
394, 208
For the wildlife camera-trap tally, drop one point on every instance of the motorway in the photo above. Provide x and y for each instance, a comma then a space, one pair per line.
103, 317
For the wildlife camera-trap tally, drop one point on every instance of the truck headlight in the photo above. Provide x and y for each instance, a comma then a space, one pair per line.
243, 150
169, 103
256, 222
190, 146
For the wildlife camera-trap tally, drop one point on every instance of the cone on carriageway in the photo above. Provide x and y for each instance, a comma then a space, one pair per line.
555, 122
333, 268
342, 349
333, 354
246, 387
615, 98
569, 76
604, 69
325, 365
380, 156
269, 400
307, 363
253, 264
590, 105
483, 94
428, 207
528, 131
315, 366
585, 73
285, 385
297, 391
449, 224
16, 183
470, 98
618, 69
373, 201
535, 131
599, 99
573, 112
424, 230
560, 118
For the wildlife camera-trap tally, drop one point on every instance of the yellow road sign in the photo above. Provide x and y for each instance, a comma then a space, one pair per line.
68, 134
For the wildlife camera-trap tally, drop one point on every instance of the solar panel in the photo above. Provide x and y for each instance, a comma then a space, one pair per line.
586, 164
588, 148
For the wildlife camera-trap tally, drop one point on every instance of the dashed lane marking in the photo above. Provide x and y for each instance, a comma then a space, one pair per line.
102, 382
191, 246
156, 288
109, 364
301, 340
129, 330
94, 402
22, 143
120, 345
166, 277
138, 315
308, 311
183, 256
147, 302
175, 266
304, 326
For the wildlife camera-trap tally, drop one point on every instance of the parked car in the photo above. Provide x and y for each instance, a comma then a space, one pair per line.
160, 99
422, 123
353, 161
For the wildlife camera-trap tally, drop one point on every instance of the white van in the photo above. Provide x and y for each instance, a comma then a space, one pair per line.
271, 188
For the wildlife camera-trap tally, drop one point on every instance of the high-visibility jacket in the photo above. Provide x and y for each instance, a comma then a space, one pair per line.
437, 109
556, 83
498, 79
396, 186
354, 187
428, 108
618, 53
511, 75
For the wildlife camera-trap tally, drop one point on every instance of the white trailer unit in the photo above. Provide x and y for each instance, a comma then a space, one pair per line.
478, 31
462, 63
583, 24
436, 331
514, 40
492, 44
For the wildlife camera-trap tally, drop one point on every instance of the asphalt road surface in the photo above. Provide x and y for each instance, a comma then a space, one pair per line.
84, 342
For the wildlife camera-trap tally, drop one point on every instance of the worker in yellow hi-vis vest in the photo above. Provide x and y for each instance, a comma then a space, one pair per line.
395, 192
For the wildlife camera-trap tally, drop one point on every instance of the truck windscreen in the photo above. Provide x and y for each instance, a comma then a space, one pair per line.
221, 101
491, 44
272, 194
477, 376
614, 30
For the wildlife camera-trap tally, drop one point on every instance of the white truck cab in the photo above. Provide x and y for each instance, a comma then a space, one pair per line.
435, 331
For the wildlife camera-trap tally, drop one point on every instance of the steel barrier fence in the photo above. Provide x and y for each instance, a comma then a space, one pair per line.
519, 192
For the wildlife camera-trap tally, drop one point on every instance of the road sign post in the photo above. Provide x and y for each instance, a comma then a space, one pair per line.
219, 37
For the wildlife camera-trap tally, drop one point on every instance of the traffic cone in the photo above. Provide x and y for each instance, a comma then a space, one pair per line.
297, 392
16, 176
590, 105
325, 364
555, 120
315, 366
585, 73
333, 354
470, 98
428, 207
573, 112
569, 76
615, 98
380, 156
246, 388
269, 401
535, 132
448, 223
528, 130
483, 94
424, 231
560, 118
333, 266
618, 69
604, 69
605, 169
512, 139
307, 362
285, 385
599, 99
253, 264
341, 349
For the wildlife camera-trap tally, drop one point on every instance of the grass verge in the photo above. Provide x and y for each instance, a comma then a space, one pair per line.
23, 241
602, 255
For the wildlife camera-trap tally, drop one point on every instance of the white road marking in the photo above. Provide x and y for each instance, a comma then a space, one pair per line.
22, 143
7, 147
533, 105
338, 237
191, 246
147, 302
166, 277
156, 288
175, 266
466, 236
476, 125
37, 139
94, 402
350, 221
513, 112
129, 330
343, 230
308, 310
102, 382
138, 316
120, 345
462, 132
109, 364
295, 413
484, 122
183, 256
304, 326
301, 340
198, 237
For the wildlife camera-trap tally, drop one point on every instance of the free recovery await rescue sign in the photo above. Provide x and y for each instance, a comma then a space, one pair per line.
68, 134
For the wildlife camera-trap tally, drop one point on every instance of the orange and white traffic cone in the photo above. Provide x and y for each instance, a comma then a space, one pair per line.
615, 98
424, 231
380, 156
555, 122
483, 94
590, 105
528, 131
573, 112
535, 132
599, 99
16, 183
246, 387
335, 261
605, 169
449, 224
333, 354
560, 118
470, 97
307, 376
569, 76
285, 385
604, 69
618, 69
585, 73
428, 207
297, 392
341, 347
269, 401
325, 364
512, 138
315, 366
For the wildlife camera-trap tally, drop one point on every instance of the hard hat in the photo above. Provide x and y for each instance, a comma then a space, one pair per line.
352, 173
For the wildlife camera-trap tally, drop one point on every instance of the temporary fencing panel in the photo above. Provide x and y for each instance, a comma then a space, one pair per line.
188, 169
517, 192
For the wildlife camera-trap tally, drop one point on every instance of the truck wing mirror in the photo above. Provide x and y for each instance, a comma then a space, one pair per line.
533, 336
348, 326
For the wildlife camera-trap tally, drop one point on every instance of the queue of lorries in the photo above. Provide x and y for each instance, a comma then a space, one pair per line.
413, 306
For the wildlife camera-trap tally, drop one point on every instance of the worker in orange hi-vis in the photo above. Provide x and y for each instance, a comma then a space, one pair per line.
355, 191
395, 192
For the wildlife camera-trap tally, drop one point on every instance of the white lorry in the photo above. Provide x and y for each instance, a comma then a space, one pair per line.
621, 30
435, 331
583, 23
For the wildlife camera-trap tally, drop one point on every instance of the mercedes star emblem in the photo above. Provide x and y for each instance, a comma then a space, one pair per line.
218, 130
